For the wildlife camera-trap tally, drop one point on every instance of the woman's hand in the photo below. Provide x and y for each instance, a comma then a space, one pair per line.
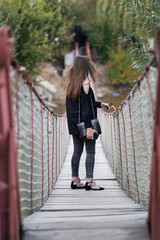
108, 106
90, 132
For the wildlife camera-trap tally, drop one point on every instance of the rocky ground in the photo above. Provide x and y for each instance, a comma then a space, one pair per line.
102, 86
56, 99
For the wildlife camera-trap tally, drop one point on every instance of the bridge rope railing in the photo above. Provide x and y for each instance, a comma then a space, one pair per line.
33, 144
42, 140
128, 135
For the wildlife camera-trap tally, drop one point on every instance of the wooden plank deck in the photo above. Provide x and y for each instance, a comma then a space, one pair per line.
78, 214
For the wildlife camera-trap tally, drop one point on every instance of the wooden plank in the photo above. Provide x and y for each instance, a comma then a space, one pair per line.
54, 215
80, 214
86, 223
94, 234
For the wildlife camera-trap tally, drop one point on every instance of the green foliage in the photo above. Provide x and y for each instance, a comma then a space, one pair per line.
108, 10
143, 16
119, 65
95, 26
100, 37
110, 22
58, 26
41, 29
133, 22
107, 42
27, 22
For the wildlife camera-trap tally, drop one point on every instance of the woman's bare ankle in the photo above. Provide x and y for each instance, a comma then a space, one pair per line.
89, 180
74, 179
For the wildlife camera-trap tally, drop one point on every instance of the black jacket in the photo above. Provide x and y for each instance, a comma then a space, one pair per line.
86, 114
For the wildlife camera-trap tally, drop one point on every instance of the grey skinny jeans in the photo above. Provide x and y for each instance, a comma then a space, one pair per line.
90, 156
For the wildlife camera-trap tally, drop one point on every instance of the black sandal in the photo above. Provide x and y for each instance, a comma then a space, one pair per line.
77, 184
92, 186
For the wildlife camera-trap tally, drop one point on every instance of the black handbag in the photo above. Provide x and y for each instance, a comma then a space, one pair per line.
95, 124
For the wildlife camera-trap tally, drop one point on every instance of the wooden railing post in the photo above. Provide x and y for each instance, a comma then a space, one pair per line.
10, 215
76, 48
88, 53
154, 203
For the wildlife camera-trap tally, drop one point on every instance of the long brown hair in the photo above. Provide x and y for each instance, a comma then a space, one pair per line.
79, 71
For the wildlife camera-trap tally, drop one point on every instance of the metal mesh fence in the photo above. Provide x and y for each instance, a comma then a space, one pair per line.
127, 138
42, 138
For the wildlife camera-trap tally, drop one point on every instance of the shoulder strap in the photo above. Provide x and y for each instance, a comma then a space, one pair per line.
79, 110
92, 107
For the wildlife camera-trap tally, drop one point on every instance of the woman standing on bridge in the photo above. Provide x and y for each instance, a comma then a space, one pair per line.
79, 95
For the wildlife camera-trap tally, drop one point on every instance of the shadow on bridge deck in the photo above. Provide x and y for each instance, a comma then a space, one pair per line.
79, 214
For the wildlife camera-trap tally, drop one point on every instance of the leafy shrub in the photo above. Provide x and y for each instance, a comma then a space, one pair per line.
41, 29
120, 70
27, 23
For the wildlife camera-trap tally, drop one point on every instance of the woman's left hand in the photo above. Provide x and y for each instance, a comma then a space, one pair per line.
90, 132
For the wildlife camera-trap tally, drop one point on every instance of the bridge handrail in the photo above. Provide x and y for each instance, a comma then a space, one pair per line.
42, 159
127, 136
33, 143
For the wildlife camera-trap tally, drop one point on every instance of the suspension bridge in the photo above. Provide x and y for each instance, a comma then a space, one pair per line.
35, 149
